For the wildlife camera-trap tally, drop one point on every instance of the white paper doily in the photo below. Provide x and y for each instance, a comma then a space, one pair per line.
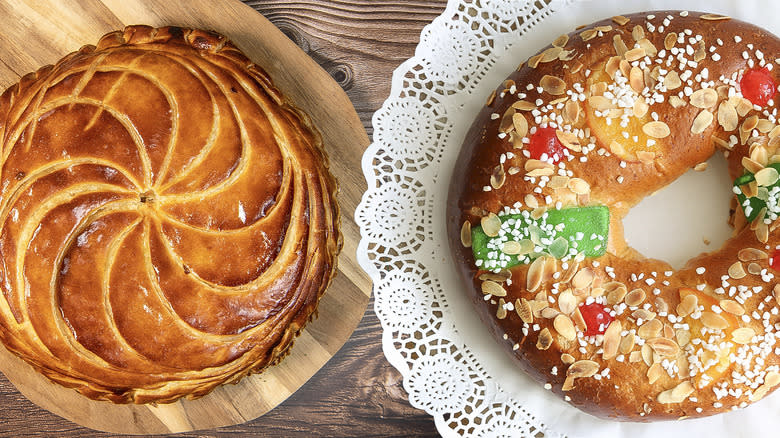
451, 366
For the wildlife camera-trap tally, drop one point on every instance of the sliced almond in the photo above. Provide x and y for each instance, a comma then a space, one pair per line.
701, 122
676, 102
612, 66
600, 103
501, 310
749, 124
524, 311
569, 140
678, 394
545, 339
465, 234
647, 354
616, 295
635, 54
620, 46
663, 346
498, 177
765, 126
713, 321
727, 116
579, 186
714, 17
523, 105
767, 176
511, 247
687, 305
732, 307
567, 302
640, 107
701, 52
583, 278
635, 298
751, 254
762, 232
656, 129
491, 224
490, 287
646, 157
612, 339
534, 164
655, 372
617, 148
704, 98
506, 126
625, 68
683, 337
638, 32
672, 80
568, 384
565, 327
771, 380
551, 54
627, 343
553, 85
636, 79
582, 368
534, 60
743, 335
751, 165
531, 201
649, 47
670, 40
571, 111
620, 20
561, 41
520, 124
651, 329
535, 274
743, 107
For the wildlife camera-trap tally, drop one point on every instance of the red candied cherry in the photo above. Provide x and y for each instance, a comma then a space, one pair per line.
545, 141
596, 317
758, 86
774, 261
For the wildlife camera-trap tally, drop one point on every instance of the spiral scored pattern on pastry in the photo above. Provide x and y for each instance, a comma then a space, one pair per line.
167, 219
601, 118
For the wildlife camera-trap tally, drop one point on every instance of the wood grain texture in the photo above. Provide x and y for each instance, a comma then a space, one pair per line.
357, 393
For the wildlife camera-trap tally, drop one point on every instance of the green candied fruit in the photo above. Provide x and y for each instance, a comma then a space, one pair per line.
767, 197
560, 233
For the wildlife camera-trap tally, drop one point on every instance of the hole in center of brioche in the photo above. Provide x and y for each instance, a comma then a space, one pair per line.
685, 218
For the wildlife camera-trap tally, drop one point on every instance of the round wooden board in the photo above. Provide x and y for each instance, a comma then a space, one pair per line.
39, 32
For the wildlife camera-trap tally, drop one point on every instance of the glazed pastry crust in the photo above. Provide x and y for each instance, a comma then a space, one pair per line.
169, 222
638, 382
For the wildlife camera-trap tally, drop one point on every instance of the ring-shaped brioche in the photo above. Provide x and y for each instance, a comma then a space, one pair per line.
168, 222
635, 102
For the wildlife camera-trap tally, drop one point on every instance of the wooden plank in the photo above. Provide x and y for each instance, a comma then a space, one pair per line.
357, 393
61, 27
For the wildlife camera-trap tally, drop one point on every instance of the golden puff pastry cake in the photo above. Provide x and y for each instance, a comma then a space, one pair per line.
562, 150
168, 222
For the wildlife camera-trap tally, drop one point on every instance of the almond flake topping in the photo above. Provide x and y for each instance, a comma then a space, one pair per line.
678, 394
491, 224
582, 368
656, 129
553, 85
701, 122
704, 98
465, 234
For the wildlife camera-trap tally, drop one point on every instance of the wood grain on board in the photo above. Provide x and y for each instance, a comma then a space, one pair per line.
358, 43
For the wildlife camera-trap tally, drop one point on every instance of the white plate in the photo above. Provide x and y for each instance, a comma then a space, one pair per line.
452, 368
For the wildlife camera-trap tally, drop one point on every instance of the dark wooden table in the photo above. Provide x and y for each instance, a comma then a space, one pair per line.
358, 393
